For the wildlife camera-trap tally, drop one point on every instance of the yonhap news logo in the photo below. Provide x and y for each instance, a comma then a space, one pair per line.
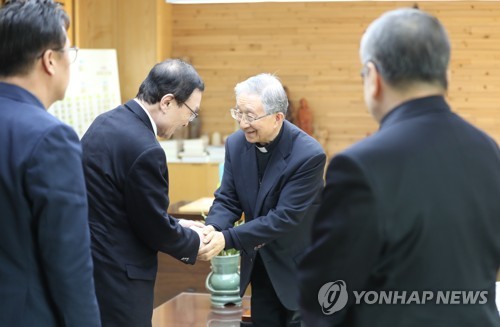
333, 296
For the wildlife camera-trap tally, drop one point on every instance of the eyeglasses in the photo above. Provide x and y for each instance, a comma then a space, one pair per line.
364, 71
72, 53
238, 116
194, 114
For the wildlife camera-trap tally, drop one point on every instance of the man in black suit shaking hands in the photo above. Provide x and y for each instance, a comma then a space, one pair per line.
127, 181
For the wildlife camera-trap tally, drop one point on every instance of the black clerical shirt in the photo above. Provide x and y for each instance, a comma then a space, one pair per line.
264, 153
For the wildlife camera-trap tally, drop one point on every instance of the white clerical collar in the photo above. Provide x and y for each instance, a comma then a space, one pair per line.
261, 149
147, 113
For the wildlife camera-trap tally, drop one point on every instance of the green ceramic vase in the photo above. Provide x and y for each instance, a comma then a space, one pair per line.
223, 282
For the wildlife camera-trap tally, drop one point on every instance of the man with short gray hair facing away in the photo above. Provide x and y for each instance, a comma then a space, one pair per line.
412, 209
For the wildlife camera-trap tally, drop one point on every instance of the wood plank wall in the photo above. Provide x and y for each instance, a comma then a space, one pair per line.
313, 48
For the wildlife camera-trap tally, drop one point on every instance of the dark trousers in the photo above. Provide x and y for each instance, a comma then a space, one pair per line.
266, 308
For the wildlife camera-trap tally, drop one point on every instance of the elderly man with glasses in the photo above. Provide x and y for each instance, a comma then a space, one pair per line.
273, 173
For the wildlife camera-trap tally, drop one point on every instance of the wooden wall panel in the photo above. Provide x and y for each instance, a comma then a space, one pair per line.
313, 48
136, 43
164, 30
96, 24
140, 31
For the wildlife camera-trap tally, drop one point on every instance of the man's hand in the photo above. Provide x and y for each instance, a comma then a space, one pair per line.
188, 223
210, 250
199, 231
209, 232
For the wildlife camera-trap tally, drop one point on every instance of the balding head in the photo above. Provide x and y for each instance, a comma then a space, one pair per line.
172, 76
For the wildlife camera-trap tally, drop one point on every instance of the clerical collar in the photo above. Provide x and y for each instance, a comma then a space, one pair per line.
261, 148
271, 145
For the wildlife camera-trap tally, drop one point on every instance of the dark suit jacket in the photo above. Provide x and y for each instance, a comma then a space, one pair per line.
415, 207
278, 215
45, 262
127, 181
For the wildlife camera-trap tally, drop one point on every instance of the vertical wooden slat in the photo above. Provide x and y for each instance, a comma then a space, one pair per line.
164, 30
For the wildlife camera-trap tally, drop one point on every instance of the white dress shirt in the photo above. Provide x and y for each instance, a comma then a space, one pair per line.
150, 118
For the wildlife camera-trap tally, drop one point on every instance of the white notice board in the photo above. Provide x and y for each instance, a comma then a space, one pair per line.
94, 88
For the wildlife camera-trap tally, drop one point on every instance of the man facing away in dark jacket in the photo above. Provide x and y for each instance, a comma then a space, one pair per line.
408, 230
45, 262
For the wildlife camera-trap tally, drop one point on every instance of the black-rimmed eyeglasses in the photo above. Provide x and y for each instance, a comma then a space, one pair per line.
194, 114
239, 116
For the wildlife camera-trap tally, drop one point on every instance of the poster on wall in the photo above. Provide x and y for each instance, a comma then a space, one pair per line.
94, 88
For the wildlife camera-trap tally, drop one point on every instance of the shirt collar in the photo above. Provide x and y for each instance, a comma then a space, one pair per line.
147, 113
20, 94
269, 147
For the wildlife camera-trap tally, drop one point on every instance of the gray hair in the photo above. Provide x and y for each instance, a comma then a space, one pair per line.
407, 46
268, 88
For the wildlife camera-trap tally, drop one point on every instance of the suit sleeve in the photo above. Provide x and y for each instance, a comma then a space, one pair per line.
56, 188
226, 209
146, 196
295, 199
346, 241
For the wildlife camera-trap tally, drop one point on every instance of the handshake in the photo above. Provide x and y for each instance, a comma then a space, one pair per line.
211, 241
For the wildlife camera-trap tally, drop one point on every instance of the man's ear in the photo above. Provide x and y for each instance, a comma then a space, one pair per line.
374, 80
48, 61
280, 117
166, 101
448, 79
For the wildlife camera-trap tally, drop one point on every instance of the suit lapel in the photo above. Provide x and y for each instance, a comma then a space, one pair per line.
275, 167
250, 175
273, 172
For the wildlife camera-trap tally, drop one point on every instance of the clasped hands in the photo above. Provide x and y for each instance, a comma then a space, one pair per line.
211, 241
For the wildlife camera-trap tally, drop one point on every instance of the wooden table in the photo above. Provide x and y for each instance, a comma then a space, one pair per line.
194, 310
